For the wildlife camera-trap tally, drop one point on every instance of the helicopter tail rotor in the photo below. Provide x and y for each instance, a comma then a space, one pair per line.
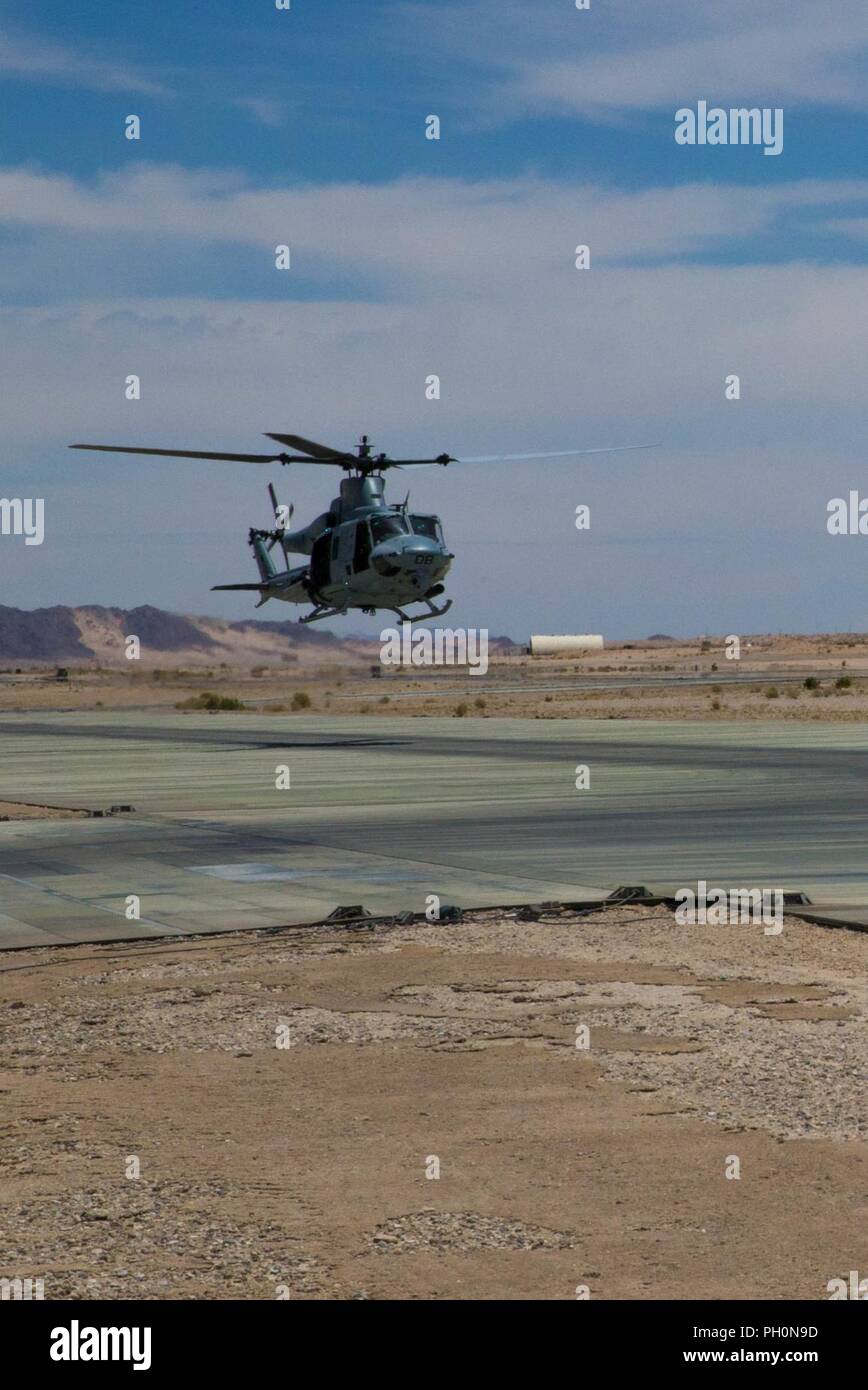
282, 517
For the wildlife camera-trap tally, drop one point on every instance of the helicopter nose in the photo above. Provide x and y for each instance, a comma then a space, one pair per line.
418, 557
442, 561
428, 561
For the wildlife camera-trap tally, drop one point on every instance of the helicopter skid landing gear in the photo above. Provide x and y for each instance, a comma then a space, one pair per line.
322, 612
420, 617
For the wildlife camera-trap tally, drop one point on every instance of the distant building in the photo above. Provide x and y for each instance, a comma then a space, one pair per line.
565, 645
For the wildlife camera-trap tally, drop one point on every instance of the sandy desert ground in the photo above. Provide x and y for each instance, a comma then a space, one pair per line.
303, 1170
773, 672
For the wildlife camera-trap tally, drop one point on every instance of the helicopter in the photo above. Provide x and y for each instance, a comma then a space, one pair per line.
364, 553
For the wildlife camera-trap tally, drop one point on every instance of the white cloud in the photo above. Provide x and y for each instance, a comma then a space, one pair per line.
801, 62
629, 57
494, 236
266, 110
24, 56
475, 282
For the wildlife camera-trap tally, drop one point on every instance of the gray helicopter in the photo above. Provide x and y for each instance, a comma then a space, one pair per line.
364, 552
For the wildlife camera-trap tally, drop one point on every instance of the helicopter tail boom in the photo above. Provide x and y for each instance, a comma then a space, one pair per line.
264, 562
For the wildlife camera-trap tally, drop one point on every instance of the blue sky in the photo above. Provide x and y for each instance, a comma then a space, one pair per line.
455, 256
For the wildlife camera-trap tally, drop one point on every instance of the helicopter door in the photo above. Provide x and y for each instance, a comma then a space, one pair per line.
342, 554
362, 551
319, 560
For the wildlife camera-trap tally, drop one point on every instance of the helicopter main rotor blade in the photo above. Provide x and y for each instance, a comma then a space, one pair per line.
551, 454
319, 453
182, 453
415, 463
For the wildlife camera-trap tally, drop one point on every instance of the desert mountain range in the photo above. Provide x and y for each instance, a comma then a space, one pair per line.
96, 635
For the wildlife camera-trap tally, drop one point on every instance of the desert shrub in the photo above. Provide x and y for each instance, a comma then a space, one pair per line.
812, 683
209, 701
300, 700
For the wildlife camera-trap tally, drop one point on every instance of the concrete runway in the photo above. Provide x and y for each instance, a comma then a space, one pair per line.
435, 683
387, 811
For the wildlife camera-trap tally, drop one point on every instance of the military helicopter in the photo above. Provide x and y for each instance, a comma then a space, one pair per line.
364, 552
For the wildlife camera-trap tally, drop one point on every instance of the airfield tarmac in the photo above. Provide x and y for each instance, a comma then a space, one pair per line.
387, 812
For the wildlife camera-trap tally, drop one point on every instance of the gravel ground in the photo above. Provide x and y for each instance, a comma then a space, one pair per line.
299, 1169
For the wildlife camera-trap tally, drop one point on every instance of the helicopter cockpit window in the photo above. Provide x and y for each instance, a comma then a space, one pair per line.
382, 527
426, 526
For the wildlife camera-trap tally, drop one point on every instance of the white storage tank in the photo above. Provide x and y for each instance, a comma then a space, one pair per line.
565, 646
